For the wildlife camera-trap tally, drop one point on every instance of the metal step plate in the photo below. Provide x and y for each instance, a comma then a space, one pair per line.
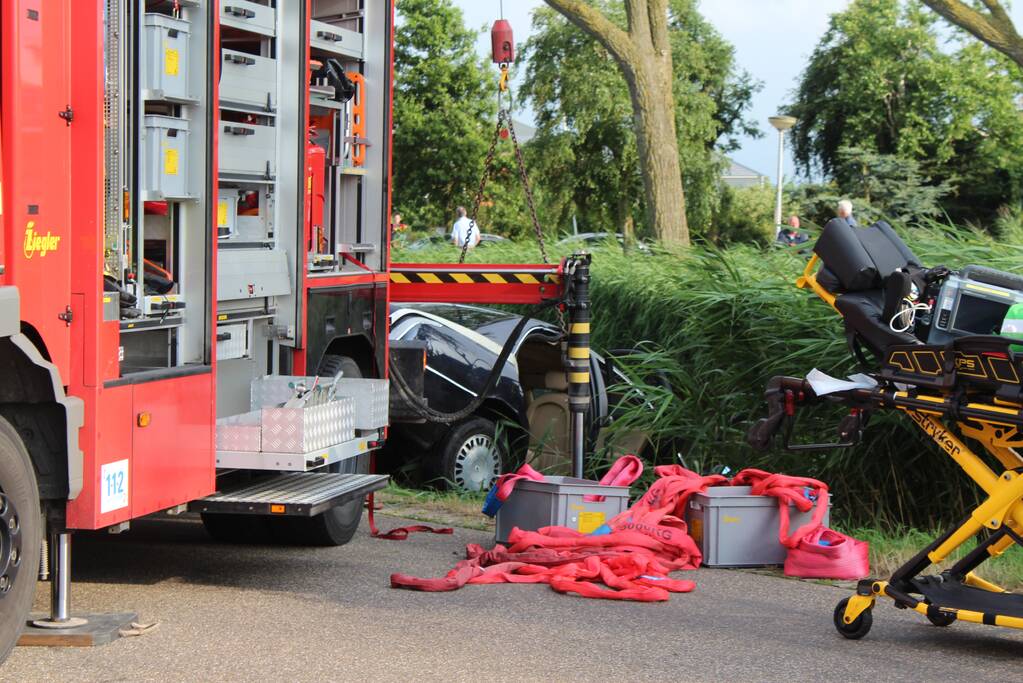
296, 494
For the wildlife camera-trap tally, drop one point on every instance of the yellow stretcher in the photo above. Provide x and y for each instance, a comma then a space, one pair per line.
954, 385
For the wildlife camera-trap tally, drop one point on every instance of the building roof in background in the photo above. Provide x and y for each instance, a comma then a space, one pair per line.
523, 131
737, 175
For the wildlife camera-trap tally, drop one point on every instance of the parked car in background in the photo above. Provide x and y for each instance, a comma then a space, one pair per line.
597, 238
525, 417
486, 239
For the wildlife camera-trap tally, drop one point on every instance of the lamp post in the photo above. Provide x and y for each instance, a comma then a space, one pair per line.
781, 124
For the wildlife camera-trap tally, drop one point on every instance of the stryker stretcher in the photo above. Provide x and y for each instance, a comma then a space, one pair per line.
931, 339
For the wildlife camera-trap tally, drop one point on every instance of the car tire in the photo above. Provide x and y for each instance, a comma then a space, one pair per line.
336, 526
18, 484
469, 457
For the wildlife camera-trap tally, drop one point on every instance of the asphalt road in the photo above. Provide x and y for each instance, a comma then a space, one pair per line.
231, 613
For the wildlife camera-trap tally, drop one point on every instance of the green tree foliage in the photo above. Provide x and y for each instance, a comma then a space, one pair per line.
443, 112
585, 152
881, 186
744, 215
881, 81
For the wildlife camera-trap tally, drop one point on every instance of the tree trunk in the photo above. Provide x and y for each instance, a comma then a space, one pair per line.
653, 106
644, 55
626, 224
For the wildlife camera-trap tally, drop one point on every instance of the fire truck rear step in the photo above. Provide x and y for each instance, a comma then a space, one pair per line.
296, 494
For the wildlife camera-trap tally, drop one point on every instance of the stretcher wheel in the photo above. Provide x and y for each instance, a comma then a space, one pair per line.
860, 626
942, 619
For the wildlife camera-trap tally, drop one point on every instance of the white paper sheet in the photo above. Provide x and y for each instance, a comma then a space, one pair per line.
824, 384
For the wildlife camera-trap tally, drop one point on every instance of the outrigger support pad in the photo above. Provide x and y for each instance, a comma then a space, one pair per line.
577, 357
60, 628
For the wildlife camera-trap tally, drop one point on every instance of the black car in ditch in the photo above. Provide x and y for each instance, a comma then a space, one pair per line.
525, 417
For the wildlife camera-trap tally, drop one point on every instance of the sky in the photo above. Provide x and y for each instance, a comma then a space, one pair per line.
773, 40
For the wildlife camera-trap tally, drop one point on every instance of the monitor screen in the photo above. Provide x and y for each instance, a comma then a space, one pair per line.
975, 315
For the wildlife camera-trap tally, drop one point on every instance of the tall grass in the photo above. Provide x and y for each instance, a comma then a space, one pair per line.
718, 323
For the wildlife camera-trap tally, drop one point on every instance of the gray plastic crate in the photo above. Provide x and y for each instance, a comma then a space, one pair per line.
558, 501
736, 529
249, 16
248, 80
166, 157
166, 48
248, 150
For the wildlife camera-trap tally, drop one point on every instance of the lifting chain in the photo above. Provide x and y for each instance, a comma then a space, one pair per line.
504, 117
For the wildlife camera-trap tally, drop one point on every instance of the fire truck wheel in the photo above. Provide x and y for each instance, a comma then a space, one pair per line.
332, 528
20, 536
336, 526
470, 459
332, 366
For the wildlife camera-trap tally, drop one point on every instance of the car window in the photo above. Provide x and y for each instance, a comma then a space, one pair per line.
471, 317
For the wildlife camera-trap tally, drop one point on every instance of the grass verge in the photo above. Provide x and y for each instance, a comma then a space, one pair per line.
890, 550
436, 507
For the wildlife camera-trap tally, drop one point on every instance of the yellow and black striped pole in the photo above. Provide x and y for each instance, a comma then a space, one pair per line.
578, 357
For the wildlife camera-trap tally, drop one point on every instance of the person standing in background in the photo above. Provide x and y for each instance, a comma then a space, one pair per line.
845, 211
464, 228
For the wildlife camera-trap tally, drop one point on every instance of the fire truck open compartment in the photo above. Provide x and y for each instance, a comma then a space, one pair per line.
244, 198
202, 189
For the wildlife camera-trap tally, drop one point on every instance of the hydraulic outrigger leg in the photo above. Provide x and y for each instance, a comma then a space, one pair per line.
577, 360
60, 586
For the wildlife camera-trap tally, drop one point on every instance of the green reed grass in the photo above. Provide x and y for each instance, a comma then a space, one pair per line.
719, 323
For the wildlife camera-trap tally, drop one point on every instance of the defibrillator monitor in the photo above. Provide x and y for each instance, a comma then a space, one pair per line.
974, 301
977, 315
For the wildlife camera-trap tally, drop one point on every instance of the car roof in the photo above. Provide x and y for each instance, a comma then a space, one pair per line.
490, 327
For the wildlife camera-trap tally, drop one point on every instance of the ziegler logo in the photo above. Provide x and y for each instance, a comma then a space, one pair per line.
37, 243
937, 432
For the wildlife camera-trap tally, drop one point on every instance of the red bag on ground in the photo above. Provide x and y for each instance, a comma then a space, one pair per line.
827, 554
814, 551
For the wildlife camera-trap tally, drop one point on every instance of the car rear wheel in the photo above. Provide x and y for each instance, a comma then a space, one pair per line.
471, 457
20, 536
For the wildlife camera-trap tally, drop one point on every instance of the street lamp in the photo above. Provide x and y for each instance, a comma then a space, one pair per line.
781, 124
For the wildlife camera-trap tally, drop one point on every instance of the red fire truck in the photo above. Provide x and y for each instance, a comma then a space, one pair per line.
195, 206
195, 274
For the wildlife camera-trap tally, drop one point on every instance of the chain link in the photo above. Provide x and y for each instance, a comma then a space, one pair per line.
483, 186
504, 116
528, 189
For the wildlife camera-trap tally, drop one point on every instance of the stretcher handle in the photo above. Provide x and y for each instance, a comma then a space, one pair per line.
784, 396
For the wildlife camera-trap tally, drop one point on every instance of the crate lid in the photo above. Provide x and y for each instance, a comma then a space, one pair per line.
556, 484
735, 496
170, 122
164, 21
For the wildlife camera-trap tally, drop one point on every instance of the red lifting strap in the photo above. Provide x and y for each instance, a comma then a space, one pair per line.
788, 490
400, 533
630, 562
